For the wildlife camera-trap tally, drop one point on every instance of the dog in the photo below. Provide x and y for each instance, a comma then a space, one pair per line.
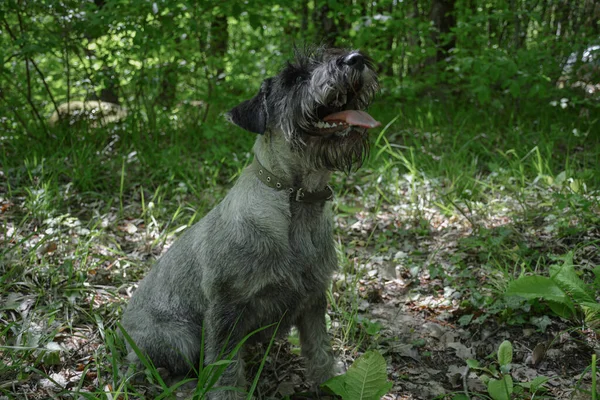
266, 253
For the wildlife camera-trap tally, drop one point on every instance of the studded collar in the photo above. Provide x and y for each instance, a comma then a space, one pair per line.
296, 193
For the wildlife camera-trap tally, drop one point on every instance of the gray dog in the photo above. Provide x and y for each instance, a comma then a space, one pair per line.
266, 253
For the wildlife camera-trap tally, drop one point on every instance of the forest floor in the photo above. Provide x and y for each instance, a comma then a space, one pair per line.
425, 259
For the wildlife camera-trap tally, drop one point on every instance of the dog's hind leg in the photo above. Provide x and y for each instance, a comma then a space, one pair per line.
225, 329
170, 344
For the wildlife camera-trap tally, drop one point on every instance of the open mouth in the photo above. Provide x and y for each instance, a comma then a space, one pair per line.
342, 122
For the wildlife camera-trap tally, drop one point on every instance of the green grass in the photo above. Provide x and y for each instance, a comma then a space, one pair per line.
85, 212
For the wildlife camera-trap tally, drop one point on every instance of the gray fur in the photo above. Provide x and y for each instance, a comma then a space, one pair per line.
259, 257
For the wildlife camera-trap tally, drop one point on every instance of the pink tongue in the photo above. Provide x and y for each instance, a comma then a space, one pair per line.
354, 117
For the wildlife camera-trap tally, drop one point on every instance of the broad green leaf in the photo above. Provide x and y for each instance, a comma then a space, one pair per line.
562, 310
366, 379
536, 287
592, 306
337, 385
500, 389
567, 279
505, 353
473, 364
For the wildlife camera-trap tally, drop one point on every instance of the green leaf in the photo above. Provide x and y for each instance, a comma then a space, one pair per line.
366, 379
591, 305
535, 287
514, 89
542, 322
538, 382
596, 272
337, 385
535, 384
465, 319
473, 364
567, 279
500, 389
505, 369
562, 310
505, 353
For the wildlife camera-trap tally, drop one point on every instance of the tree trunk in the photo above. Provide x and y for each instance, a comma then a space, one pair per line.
442, 16
325, 27
514, 9
304, 15
219, 39
108, 75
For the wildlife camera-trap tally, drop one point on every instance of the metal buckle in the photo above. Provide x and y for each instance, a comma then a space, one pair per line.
299, 194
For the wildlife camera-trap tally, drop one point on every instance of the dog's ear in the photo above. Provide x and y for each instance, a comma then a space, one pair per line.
252, 115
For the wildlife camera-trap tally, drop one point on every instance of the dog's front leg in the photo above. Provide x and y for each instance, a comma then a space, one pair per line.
224, 330
315, 342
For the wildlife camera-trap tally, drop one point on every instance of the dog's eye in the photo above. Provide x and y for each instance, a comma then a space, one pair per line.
300, 79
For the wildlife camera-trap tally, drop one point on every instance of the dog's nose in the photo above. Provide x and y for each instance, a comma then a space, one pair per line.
355, 60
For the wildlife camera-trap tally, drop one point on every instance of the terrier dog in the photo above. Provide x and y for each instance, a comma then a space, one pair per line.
266, 253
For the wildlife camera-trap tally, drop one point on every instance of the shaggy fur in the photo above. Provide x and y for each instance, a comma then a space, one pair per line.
261, 257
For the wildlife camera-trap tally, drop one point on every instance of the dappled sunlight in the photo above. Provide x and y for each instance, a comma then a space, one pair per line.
468, 242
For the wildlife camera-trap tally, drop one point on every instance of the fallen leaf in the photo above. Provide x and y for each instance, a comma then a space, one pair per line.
462, 351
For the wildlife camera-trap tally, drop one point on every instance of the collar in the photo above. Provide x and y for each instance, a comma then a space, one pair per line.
296, 193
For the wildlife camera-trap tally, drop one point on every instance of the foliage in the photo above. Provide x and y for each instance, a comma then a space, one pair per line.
594, 378
366, 379
487, 168
563, 290
499, 382
158, 58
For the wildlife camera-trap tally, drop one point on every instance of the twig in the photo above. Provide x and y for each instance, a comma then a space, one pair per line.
28, 97
17, 116
43, 78
465, 386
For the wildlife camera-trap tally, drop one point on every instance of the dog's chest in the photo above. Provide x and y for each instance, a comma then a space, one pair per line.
312, 246
305, 269
275, 261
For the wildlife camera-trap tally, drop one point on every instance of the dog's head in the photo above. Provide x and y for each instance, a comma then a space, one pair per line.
317, 103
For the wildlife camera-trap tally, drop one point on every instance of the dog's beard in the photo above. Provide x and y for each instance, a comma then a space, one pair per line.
335, 153
328, 93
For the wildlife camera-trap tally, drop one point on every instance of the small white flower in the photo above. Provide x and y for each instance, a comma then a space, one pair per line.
576, 132
554, 103
154, 8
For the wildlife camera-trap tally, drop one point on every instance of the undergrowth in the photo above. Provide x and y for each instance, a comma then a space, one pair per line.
84, 212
